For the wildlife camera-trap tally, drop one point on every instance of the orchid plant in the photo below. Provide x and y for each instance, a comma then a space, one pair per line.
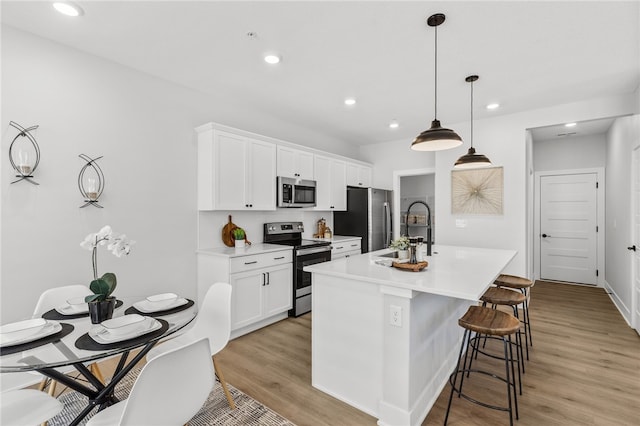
119, 245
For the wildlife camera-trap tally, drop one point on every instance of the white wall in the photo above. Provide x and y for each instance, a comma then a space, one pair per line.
143, 126
503, 140
579, 152
622, 137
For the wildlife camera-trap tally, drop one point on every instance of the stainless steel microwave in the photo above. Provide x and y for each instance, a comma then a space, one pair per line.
296, 192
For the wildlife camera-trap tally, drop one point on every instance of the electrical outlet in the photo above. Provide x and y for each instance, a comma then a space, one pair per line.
395, 315
461, 223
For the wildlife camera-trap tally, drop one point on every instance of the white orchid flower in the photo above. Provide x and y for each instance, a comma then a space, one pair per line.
104, 235
89, 242
117, 244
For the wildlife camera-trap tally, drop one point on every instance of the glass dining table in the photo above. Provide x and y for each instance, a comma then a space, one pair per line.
76, 345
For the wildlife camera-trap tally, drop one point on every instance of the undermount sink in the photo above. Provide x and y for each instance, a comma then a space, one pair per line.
393, 254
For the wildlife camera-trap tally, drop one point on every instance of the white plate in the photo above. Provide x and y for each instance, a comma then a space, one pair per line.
126, 324
74, 306
27, 331
104, 336
164, 299
148, 307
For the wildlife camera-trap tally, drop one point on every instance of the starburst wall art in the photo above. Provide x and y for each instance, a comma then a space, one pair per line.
477, 191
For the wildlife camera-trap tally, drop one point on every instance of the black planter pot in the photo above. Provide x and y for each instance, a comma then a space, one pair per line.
102, 310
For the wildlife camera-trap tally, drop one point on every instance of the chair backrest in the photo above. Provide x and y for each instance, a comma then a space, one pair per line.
58, 296
214, 318
171, 388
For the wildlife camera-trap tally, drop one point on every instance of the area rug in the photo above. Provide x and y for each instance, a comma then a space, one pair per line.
215, 410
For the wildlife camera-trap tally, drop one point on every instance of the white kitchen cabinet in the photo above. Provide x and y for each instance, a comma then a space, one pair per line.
235, 172
358, 175
261, 282
345, 248
295, 163
331, 184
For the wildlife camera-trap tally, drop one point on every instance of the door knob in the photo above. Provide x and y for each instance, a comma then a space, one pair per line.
633, 247
545, 235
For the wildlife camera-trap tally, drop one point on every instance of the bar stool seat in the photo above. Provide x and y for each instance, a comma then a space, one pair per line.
489, 322
524, 285
502, 296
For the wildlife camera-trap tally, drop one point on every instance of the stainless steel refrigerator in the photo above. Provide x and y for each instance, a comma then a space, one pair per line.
368, 216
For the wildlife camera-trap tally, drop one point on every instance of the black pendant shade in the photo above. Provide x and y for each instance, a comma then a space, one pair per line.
471, 160
436, 138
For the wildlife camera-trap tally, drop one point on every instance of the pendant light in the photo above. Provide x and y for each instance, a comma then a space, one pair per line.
471, 160
436, 138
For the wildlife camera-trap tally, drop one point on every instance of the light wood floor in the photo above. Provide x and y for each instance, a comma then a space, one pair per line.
584, 369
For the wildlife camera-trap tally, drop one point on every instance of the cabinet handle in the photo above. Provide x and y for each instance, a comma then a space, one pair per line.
278, 258
354, 245
339, 248
251, 263
268, 278
264, 279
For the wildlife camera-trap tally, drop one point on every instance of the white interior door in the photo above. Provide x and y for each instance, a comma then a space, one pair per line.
568, 228
635, 244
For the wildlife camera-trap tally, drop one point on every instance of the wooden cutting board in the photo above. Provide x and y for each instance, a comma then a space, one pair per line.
227, 233
413, 267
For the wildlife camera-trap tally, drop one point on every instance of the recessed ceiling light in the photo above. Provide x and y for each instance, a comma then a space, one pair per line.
68, 8
493, 106
394, 124
350, 101
570, 125
272, 59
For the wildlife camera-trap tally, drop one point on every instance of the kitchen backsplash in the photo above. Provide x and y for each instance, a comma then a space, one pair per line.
212, 222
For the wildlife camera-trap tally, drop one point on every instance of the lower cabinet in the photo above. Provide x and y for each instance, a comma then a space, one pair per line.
259, 294
262, 284
346, 248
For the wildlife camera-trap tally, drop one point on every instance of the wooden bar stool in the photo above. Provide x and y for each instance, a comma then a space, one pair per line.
496, 296
491, 322
524, 286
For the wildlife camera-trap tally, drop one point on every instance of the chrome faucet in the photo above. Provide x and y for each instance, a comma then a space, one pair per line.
406, 222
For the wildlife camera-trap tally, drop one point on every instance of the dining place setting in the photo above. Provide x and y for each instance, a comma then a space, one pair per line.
64, 338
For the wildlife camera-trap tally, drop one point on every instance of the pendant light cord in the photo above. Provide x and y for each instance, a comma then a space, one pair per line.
472, 114
435, 113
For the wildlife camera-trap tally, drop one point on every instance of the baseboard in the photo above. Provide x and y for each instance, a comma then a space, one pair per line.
619, 304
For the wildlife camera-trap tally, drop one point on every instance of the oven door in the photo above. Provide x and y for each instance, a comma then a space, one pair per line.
306, 257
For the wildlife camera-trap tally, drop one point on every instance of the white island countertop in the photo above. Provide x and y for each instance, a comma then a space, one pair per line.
460, 272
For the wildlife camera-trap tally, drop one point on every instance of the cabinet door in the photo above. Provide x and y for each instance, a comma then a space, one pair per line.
294, 163
246, 298
322, 176
338, 185
278, 295
358, 175
230, 171
261, 175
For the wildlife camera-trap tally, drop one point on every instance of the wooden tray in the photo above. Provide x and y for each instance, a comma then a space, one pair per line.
413, 267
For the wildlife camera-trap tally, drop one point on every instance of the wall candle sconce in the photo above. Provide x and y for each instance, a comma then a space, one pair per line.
91, 185
26, 162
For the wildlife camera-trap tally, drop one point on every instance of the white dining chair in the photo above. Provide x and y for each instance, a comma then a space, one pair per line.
27, 407
56, 297
170, 389
213, 322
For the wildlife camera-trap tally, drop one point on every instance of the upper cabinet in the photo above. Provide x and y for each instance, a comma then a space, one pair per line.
295, 163
358, 175
331, 183
235, 172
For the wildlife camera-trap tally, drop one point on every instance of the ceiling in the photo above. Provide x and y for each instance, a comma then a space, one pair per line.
528, 55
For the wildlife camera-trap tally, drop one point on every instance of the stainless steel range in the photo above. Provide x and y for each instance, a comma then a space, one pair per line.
305, 253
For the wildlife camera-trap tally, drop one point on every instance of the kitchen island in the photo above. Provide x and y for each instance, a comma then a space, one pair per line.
385, 340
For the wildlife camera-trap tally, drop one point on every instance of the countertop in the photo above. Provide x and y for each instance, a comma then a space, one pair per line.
337, 239
460, 272
255, 248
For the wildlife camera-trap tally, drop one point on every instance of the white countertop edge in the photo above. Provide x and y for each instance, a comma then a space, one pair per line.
253, 249
337, 239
